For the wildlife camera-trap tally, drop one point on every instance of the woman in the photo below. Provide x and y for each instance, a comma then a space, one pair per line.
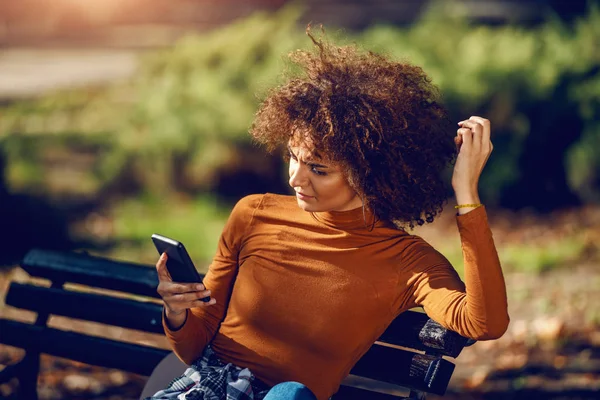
303, 285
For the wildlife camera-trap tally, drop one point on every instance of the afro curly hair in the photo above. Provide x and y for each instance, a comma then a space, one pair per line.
381, 120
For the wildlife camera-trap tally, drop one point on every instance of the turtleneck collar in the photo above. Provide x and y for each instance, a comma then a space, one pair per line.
351, 219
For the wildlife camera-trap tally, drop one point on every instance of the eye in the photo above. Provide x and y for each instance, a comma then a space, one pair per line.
316, 171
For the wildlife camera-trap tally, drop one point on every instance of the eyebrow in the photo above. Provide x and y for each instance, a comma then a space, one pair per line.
312, 164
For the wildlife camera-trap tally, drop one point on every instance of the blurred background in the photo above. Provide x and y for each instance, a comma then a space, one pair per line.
122, 118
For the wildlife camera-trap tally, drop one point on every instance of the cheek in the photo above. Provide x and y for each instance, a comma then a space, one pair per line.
336, 188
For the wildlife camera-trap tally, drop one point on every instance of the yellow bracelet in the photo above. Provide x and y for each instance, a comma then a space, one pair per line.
468, 205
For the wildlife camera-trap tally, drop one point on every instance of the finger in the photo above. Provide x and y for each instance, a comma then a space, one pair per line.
458, 141
181, 299
180, 304
186, 298
474, 125
200, 303
477, 129
467, 138
178, 288
167, 289
487, 127
161, 268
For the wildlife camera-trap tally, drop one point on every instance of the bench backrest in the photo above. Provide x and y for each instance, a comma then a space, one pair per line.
424, 371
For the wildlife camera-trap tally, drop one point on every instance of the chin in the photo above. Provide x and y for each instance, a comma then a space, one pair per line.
307, 207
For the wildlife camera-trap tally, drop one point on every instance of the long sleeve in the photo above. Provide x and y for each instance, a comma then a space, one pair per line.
202, 323
479, 310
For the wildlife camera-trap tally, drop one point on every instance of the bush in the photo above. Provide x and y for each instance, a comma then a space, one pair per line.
188, 108
539, 86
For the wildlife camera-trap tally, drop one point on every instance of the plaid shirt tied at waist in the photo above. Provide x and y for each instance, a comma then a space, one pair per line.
208, 378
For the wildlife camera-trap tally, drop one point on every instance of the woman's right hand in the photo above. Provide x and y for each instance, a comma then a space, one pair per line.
178, 297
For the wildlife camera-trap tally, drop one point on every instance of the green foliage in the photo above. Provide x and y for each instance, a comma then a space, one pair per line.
203, 92
196, 223
508, 74
77, 161
178, 119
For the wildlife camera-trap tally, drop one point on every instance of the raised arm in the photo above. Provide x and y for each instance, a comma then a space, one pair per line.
201, 323
479, 310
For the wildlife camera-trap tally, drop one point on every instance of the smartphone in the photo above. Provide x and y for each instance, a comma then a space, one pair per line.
179, 263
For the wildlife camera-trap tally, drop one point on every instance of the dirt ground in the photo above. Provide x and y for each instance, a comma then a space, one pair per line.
550, 351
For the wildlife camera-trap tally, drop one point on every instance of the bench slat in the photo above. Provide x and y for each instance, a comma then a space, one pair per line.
354, 393
87, 349
415, 330
92, 271
412, 370
143, 316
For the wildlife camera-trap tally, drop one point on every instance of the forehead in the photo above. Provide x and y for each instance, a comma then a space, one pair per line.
304, 144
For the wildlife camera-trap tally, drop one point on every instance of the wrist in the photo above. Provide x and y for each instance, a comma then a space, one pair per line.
466, 197
463, 198
175, 321
462, 209
171, 313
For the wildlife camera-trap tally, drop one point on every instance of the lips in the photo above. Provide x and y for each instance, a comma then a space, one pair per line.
304, 196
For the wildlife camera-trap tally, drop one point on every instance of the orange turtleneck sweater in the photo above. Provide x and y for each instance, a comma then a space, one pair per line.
302, 296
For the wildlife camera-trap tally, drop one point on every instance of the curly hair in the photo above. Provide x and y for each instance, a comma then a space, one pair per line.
381, 120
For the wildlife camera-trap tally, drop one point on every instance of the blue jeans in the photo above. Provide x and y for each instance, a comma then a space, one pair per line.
290, 391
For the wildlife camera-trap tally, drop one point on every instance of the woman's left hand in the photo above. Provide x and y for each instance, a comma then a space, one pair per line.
474, 148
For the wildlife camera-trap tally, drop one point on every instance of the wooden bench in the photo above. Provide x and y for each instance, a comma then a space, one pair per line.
421, 372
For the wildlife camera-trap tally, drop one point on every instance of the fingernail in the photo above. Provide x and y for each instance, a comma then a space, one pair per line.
199, 287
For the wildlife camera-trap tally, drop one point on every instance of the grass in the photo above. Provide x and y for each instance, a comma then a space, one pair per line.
197, 223
541, 258
525, 257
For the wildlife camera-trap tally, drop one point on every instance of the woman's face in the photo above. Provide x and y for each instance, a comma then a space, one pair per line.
320, 184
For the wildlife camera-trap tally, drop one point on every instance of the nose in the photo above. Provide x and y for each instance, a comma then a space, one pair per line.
298, 177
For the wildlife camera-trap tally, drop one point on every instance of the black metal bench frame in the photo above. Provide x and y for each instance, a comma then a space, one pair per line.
421, 372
